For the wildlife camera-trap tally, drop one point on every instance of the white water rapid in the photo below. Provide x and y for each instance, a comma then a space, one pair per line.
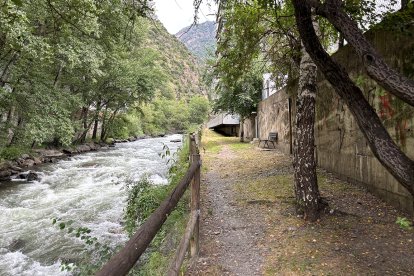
88, 189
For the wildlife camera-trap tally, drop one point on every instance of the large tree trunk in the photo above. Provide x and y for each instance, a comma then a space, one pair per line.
380, 142
306, 183
387, 77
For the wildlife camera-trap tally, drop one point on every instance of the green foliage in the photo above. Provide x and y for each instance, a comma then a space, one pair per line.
143, 198
95, 254
198, 110
92, 63
12, 152
239, 97
125, 126
404, 223
165, 115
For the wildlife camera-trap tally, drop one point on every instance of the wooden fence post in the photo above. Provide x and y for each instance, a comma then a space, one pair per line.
195, 207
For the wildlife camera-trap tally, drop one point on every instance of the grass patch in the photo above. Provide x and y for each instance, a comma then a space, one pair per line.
213, 142
266, 189
240, 146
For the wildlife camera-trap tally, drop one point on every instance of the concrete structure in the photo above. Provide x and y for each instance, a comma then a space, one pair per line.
225, 124
341, 147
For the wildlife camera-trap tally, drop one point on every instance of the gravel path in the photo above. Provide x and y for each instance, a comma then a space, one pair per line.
230, 233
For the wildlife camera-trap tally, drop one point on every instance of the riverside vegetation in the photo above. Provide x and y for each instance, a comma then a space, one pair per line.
143, 197
73, 71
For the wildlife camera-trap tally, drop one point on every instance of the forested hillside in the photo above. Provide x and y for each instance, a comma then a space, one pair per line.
199, 39
75, 70
179, 67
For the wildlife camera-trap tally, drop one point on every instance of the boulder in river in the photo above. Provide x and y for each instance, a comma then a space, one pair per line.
83, 148
175, 141
28, 176
16, 245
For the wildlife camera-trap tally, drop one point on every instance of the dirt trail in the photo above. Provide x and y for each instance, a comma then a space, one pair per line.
249, 226
230, 234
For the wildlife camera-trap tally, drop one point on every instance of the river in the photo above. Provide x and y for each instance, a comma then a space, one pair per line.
88, 189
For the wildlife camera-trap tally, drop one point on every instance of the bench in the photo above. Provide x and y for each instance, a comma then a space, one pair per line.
271, 139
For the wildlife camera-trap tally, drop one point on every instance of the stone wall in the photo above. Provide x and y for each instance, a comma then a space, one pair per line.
341, 147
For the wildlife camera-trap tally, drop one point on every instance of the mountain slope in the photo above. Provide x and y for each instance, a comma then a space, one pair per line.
199, 39
180, 69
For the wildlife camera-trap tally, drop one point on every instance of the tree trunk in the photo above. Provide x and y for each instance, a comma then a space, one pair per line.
85, 111
380, 142
13, 138
59, 71
96, 123
82, 137
104, 125
306, 183
387, 77
241, 130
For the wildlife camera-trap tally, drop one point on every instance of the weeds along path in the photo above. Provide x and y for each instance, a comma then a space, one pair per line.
249, 226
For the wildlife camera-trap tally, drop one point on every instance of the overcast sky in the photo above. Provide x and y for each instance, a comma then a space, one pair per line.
177, 14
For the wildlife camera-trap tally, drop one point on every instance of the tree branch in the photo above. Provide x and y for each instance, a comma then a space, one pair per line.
380, 142
387, 77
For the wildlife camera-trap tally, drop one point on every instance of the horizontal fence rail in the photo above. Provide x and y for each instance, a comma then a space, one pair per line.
123, 261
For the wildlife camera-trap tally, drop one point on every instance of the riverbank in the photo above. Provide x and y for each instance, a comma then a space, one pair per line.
21, 166
249, 225
86, 190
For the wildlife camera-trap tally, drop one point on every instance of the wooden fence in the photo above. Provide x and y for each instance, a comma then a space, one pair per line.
123, 261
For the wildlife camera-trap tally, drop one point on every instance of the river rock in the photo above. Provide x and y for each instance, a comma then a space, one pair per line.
15, 169
25, 156
5, 175
29, 176
94, 146
28, 163
32, 176
69, 151
132, 139
83, 148
37, 160
175, 141
16, 245
49, 153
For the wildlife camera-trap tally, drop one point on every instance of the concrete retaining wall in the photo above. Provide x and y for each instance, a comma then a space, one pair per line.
341, 147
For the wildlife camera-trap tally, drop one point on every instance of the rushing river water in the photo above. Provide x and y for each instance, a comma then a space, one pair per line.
88, 189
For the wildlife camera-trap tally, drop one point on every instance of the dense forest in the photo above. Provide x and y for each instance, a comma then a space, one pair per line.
77, 70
